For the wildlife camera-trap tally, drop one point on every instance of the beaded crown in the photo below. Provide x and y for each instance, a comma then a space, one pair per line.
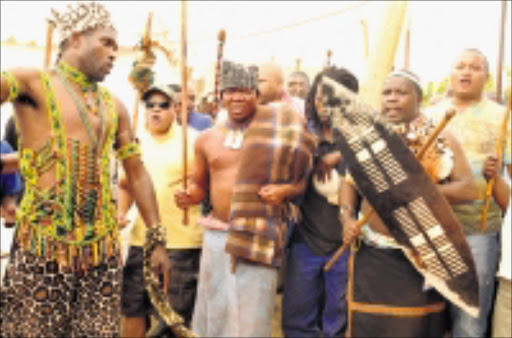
79, 18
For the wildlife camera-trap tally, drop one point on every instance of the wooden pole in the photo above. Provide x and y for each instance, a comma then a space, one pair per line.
407, 49
48, 49
382, 54
220, 53
490, 184
184, 96
146, 46
298, 64
501, 43
364, 24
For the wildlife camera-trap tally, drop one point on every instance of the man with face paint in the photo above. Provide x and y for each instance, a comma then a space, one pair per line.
162, 147
314, 301
390, 297
243, 245
477, 127
63, 278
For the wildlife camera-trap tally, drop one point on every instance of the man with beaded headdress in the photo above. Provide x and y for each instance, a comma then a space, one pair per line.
63, 278
251, 163
382, 267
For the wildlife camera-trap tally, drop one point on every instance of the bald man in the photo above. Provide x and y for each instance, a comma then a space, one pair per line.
270, 83
271, 87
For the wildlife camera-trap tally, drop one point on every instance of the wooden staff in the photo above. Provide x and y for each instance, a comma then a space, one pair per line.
220, 53
146, 47
499, 71
298, 64
490, 184
48, 47
450, 113
364, 24
383, 51
407, 49
184, 97
329, 57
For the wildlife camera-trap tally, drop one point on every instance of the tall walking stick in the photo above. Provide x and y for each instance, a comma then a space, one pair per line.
146, 48
184, 96
220, 53
501, 43
499, 153
48, 46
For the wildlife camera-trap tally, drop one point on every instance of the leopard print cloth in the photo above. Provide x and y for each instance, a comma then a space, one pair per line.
40, 299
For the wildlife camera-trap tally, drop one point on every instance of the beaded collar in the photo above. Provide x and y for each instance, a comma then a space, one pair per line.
77, 76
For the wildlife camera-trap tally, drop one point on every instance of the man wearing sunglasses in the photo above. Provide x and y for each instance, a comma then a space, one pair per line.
162, 155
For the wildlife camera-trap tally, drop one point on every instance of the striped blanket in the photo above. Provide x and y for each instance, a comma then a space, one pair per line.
276, 150
396, 185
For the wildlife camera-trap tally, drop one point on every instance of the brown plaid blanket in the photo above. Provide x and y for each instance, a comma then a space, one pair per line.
276, 150
397, 186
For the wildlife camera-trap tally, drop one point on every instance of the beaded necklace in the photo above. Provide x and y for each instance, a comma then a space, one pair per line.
73, 221
65, 72
89, 89
234, 136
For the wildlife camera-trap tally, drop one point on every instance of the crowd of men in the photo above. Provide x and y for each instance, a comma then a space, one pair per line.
270, 198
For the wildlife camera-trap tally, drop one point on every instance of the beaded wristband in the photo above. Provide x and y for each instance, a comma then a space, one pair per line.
128, 151
14, 86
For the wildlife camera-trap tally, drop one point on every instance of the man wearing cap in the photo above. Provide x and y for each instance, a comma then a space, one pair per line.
63, 278
247, 164
390, 298
162, 148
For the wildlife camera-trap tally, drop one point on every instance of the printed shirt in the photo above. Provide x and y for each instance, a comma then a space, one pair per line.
163, 159
477, 128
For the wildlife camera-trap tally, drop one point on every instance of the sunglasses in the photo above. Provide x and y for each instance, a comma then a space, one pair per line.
162, 105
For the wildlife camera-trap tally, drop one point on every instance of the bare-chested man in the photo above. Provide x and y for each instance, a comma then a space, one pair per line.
382, 273
238, 303
63, 277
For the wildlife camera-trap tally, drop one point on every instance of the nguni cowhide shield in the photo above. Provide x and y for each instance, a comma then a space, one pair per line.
398, 188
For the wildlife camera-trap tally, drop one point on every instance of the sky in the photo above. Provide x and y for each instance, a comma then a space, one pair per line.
439, 29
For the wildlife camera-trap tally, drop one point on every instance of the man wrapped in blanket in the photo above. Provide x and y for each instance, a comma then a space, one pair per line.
252, 164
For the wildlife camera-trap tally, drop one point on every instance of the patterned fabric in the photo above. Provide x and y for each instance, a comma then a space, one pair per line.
128, 151
390, 298
477, 129
74, 220
404, 197
237, 76
13, 84
41, 299
276, 150
78, 18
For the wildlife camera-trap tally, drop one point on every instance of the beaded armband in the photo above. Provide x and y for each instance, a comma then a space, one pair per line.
14, 86
128, 151
155, 235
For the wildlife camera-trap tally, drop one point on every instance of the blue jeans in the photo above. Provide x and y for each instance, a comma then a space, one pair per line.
314, 300
485, 250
